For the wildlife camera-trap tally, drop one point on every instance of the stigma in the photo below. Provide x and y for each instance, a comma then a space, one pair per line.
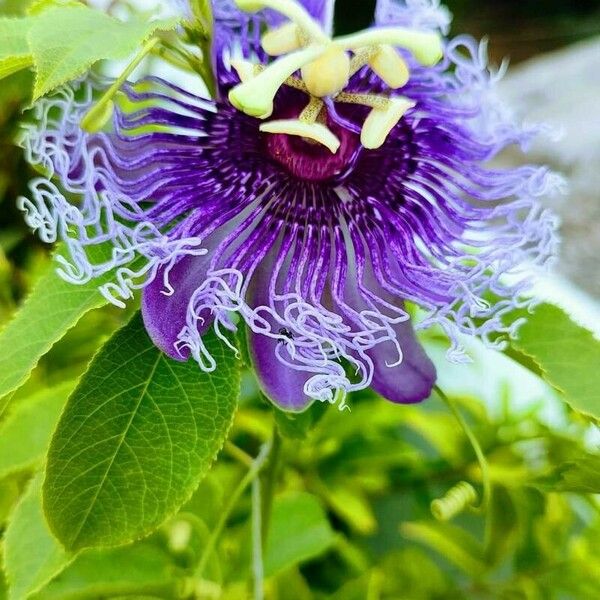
326, 66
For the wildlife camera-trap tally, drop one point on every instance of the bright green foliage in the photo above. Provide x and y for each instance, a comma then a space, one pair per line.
299, 531
93, 36
39, 40
567, 354
14, 49
582, 476
32, 557
25, 434
136, 437
52, 308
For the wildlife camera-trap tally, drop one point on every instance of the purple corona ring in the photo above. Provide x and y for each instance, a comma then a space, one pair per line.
328, 182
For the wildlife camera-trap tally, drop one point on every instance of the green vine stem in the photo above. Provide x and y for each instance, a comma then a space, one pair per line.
258, 571
270, 482
250, 476
100, 113
483, 507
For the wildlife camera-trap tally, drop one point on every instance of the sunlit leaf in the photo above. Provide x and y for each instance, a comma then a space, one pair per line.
566, 354
93, 36
14, 49
25, 434
137, 436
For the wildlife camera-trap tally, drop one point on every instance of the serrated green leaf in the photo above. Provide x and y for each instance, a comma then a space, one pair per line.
14, 49
137, 436
93, 36
567, 355
299, 531
32, 557
52, 308
25, 434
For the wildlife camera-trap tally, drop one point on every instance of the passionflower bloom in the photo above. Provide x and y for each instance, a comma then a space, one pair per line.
330, 181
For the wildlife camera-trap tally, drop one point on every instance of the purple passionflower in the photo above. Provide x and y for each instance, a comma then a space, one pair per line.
329, 182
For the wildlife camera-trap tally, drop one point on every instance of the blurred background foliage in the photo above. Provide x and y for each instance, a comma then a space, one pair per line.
351, 517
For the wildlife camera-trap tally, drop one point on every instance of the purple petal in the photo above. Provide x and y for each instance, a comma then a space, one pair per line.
283, 385
413, 379
165, 315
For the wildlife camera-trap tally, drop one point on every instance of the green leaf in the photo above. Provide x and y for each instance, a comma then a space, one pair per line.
137, 436
32, 556
143, 568
25, 434
352, 506
299, 531
52, 308
14, 49
581, 476
93, 36
566, 354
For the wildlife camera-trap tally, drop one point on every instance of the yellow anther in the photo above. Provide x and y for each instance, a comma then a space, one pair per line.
329, 74
255, 96
425, 47
282, 40
313, 131
291, 9
380, 122
390, 66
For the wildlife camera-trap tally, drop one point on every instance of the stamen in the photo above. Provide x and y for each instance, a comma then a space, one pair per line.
313, 131
380, 122
311, 113
245, 69
255, 96
283, 40
329, 74
370, 100
390, 66
425, 47
361, 59
291, 9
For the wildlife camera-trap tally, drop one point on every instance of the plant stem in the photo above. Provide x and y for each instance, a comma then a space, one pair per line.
481, 459
238, 454
100, 108
258, 571
270, 482
250, 476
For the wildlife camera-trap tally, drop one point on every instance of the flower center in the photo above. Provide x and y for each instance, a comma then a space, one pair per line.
310, 160
326, 66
